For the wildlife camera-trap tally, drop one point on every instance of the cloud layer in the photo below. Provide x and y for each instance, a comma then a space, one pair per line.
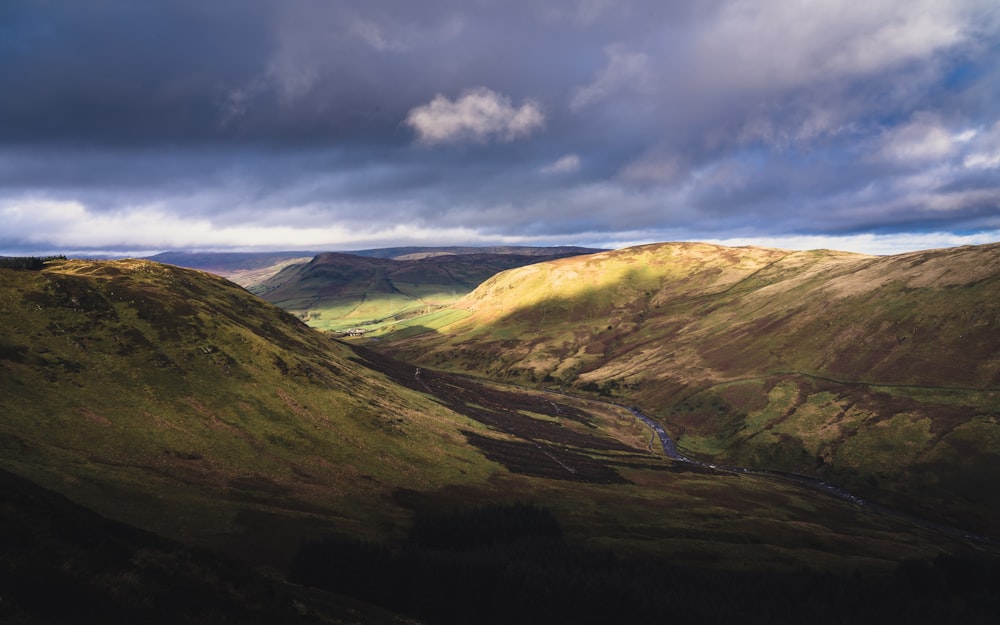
328, 124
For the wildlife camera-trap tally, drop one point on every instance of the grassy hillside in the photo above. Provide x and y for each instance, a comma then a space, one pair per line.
881, 373
177, 402
134, 385
344, 291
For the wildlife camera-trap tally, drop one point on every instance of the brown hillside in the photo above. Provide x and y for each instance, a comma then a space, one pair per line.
177, 402
881, 372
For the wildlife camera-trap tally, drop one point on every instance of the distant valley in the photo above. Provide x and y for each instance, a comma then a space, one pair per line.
367, 290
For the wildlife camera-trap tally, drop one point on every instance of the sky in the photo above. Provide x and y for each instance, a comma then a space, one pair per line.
132, 127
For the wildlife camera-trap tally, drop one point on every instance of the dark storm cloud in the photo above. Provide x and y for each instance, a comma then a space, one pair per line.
318, 123
117, 71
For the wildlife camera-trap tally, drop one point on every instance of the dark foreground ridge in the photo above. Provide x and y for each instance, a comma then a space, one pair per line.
62, 563
511, 564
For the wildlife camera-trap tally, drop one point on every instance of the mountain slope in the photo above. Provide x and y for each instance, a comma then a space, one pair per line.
131, 384
882, 373
336, 291
61, 561
177, 402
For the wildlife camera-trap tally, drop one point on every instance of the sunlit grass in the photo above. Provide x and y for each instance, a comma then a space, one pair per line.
178, 402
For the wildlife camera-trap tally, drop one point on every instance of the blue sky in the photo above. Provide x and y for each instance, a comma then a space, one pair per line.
135, 127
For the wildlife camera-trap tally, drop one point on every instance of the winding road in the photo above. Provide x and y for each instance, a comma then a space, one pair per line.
670, 450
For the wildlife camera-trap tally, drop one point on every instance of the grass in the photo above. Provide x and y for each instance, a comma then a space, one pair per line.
429, 322
833, 364
130, 407
183, 405
335, 292
180, 404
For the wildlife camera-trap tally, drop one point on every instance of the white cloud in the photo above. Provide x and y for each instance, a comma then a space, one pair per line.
480, 115
924, 138
67, 226
899, 38
983, 160
775, 42
565, 165
966, 136
876, 244
624, 71
984, 150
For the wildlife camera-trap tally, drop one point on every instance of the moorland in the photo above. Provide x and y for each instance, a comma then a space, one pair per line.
482, 461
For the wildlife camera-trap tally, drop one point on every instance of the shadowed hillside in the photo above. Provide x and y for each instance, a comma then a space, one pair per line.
881, 373
61, 563
177, 402
137, 387
340, 291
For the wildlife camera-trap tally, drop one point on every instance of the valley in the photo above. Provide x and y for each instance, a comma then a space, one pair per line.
359, 293
737, 413
867, 372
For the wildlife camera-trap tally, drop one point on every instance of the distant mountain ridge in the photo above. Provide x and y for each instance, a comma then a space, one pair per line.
335, 290
412, 252
362, 292
229, 264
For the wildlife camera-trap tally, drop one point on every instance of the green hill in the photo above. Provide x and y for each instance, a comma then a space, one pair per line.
880, 373
348, 291
176, 402
365, 289
139, 388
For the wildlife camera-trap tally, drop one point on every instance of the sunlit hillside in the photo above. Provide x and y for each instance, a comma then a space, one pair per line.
882, 373
136, 387
176, 401
341, 292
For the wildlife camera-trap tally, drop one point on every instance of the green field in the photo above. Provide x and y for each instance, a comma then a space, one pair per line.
339, 292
